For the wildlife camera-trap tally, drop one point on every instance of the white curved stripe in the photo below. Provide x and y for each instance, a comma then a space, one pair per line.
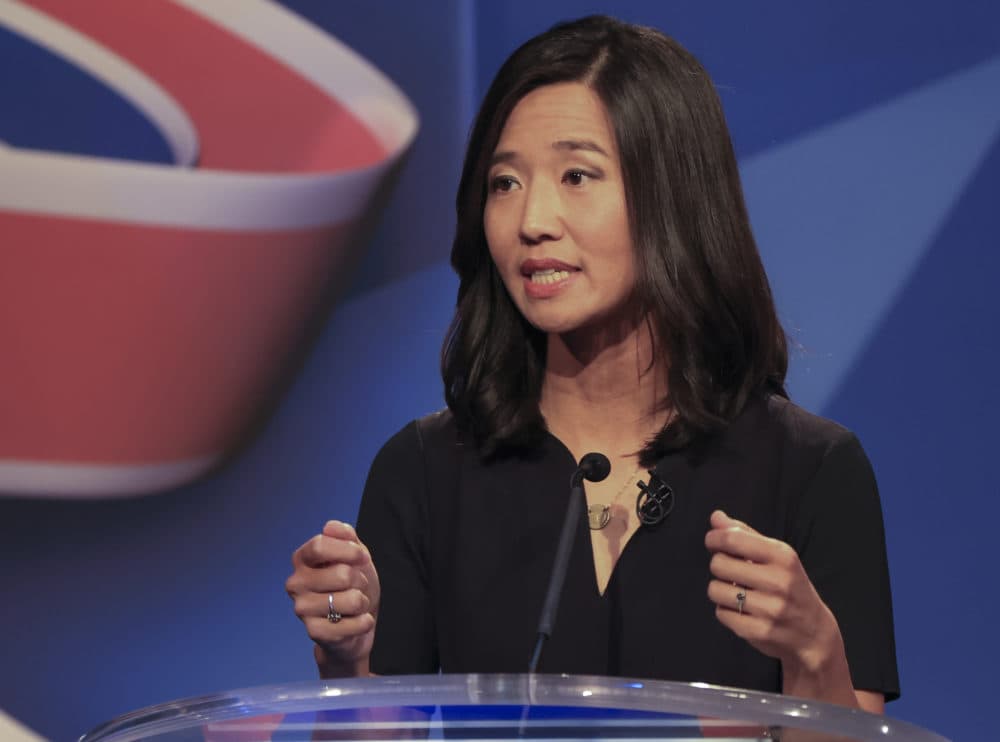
137, 193
59, 184
154, 102
11, 730
52, 479
314, 54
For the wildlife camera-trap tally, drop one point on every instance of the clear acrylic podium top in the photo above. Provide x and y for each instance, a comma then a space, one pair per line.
481, 707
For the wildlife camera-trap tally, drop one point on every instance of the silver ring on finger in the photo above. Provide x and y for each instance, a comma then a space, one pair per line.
741, 598
332, 615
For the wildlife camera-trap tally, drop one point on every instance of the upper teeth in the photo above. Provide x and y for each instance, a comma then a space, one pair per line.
549, 275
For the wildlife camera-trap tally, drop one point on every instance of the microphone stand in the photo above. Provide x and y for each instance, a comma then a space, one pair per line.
559, 567
593, 467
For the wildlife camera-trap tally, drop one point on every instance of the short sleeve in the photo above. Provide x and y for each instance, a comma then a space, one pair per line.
392, 523
840, 539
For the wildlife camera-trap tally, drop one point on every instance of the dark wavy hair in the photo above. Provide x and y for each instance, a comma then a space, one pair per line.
700, 281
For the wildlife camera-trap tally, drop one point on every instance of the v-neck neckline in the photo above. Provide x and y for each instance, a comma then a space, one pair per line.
583, 531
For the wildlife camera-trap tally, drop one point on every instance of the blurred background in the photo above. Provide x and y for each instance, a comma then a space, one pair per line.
868, 140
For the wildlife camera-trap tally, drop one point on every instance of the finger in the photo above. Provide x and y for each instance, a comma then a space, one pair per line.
332, 578
746, 626
340, 530
326, 579
721, 519
729, 596
757, 603
347, 603
350, 627
322, 549
770, 637
766, 577
749, 545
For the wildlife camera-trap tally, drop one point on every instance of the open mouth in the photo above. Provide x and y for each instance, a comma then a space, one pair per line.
548, 276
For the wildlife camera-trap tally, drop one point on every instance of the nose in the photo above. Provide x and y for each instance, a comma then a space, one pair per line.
541, 214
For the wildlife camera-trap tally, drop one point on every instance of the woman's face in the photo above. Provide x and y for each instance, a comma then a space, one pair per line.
555, 216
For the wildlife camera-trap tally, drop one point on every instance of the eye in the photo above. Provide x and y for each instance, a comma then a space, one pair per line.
502, 184
576, 177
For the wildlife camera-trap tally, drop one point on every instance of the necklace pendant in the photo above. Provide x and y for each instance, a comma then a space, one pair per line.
598, 516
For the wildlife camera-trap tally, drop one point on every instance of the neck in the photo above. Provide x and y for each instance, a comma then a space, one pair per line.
604, 390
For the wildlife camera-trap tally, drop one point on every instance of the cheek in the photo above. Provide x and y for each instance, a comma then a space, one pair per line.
611, 244
631, 266
622, 236
620, 264
606, 219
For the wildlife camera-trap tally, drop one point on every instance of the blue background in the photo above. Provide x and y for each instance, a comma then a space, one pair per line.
868, 140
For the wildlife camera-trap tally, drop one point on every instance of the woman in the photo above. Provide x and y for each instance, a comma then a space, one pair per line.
611, 299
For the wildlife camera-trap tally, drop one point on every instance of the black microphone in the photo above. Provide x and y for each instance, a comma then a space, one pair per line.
655, 500
593, 467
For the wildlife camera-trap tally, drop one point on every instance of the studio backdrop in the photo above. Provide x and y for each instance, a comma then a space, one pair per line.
224, 231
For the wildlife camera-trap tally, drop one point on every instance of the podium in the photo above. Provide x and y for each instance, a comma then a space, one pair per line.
495, 707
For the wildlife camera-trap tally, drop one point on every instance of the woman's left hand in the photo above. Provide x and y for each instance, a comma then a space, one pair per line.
780, 613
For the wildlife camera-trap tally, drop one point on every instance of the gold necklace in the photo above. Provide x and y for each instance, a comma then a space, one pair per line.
598, 516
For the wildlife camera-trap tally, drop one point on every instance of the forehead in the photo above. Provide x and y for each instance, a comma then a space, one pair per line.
564, 111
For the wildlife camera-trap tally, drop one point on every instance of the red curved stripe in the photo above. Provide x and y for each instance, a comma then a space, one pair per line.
251, 111
136, 344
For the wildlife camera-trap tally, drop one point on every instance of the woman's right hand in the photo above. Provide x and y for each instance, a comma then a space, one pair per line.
336, 563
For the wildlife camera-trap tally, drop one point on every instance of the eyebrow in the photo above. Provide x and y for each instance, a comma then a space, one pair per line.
575, 144
570, 145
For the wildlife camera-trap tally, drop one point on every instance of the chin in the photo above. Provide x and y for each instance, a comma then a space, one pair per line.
613, 323
551, 324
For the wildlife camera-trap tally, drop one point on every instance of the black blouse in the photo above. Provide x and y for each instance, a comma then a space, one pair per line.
464, 549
